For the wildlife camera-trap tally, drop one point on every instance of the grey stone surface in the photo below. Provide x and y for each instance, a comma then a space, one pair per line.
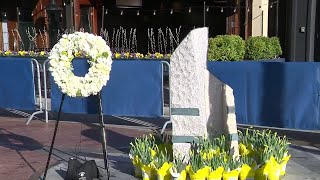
192, 86
303, 165
120, 168
187, 75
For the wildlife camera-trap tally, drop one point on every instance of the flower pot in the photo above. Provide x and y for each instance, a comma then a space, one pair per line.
269, 171
179, 176
163, 173
274, 171
148, 172
201, 174
216, 174
261, 173
138, 171
283, 165
137, 166
247, 172
232, 175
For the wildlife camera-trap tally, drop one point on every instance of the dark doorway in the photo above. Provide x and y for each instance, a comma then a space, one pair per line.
297, 21
85, 20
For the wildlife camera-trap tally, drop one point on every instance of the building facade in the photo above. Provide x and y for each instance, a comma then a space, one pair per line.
25, 24
297, 25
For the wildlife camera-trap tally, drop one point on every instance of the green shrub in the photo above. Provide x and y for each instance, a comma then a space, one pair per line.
226, 48
262, 48
275, 43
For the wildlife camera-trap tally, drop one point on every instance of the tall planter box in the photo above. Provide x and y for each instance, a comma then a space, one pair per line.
275, 94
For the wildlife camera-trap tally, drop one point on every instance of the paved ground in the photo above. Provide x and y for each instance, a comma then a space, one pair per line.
24, 149
303, 165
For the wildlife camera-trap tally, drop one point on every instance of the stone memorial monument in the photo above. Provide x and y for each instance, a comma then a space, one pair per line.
201, 104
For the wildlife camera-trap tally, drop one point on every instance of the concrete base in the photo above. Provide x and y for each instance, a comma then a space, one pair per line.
304, 164
120, 168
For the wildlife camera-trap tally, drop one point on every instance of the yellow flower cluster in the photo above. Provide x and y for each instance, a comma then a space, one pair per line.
128, 55
23, 53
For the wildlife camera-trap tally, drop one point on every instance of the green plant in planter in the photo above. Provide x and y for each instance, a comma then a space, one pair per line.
146, 157
164, 143
198, 169
256, 48
178, 170
196, 162
276, 47
232, 167
268, 167
161, 158
246, 142
216, 167
279, 149
248, 168
142, 153
207, 148
261, 47
178, 164
247, 160
142, 145
162, 165
215, 162
226, 48
231, 164
213, 147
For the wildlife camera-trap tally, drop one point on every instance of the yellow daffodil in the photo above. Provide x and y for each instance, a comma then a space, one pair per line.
117, 55
127, 54
22, 53
158, 55
8, 52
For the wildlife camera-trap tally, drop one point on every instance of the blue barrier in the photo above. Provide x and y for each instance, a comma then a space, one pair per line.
134, 89
17, 83
274, 94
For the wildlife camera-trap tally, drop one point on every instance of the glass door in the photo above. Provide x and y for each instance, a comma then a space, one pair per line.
86, 19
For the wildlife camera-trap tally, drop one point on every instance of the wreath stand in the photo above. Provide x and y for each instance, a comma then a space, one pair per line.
103, 136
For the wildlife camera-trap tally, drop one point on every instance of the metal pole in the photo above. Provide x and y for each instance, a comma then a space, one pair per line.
18, 22
54, 136
246, 20
277, 18
102, 23
75, 14
262, 30
204, 14
45, 89
103, 136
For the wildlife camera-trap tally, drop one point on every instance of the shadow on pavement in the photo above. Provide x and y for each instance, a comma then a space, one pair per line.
19, 143
115, 140
313, 151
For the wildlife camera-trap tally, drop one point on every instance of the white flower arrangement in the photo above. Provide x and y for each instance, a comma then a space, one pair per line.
99, 59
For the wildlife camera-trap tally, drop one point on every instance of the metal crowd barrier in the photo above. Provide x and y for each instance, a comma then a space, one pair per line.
36, 64
45, 89
168, 69
165, 67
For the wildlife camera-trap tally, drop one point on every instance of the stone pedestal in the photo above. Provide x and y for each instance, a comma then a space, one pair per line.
199, 100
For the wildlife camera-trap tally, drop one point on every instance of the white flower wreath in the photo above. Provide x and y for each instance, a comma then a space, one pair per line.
99, 59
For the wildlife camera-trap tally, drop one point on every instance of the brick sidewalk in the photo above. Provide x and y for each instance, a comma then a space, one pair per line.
23, 148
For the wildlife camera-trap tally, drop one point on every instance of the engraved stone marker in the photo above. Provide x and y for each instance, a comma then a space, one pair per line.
201, 104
